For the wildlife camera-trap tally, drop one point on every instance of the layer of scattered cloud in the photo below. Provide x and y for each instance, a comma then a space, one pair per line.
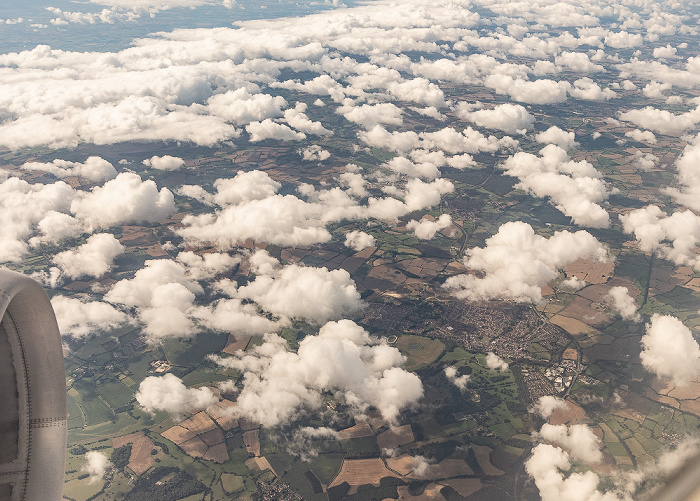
79, 319
575, 188
669, 350
168, 394
97, 465
516, 263
358, 240
674, 237
92, 259
426, 229
495, 362
94, 169
279, 384
166, 162
620, 299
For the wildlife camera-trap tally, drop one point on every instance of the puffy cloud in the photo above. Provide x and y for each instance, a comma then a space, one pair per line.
124, 199
241, 107
418, 90
358, 240
94, 168
231, 315
166, 162
585, 88
368, 115
163, 295
79, 319
314, 153
642, 136
645, 161
545, 466
542, 91
546, 405
108, 16
343, 359
510, 118
97, 465
147, 4
281, 220
669, 350
673, 237
168, 393
623, 40
665, 52
575, 188
267, 129
313, 294
578, 440
93, 259
467, 141
555, 135
688, 165
23, 206
495, 362
402, 165
298, 119
425, 229
654, 90
625, 304
208, 265
289, 220
379, 137
459, 381
516, 262
355, 184
661, 121
420, 195
577, 61
244, 187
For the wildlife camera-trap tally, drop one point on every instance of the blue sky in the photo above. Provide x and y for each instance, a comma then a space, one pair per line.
35, 27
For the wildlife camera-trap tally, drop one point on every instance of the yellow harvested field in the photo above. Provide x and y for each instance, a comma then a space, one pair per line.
431, 493
464, 486
590, 271
663, 399
141, 458
217, 453
194, 447
692, 406
395, 437
223, 414
177, 434
570, 354
403, 464
688, 392
693, 284
362, 471
569, 414
251, 439
199, 423
585, 334
357, 431
264, 464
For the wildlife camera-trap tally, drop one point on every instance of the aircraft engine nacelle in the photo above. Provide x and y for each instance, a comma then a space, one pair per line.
33, 414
